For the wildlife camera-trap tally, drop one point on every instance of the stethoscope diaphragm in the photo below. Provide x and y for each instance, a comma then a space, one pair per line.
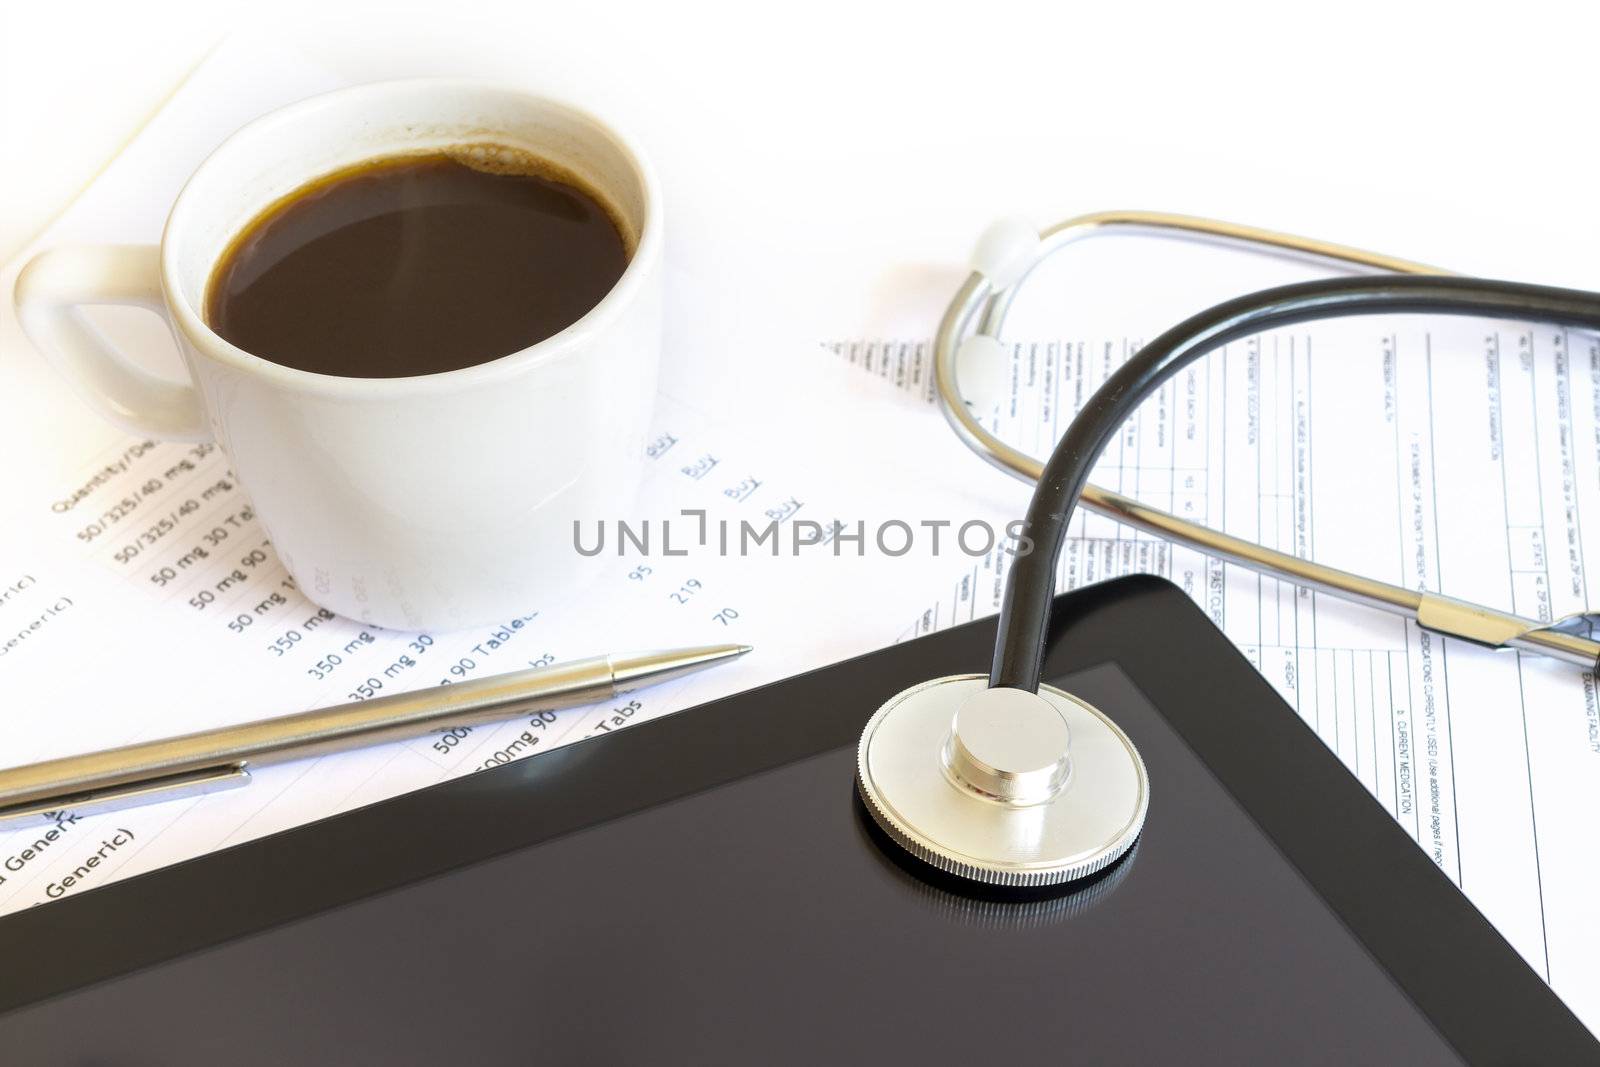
1002, 786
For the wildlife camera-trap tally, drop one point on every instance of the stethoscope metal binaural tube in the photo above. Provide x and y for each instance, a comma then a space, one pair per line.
1570, 639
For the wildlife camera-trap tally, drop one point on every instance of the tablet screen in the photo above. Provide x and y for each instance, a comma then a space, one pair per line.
762, 921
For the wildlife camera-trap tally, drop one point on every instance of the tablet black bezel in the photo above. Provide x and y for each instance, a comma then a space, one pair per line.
1440, 950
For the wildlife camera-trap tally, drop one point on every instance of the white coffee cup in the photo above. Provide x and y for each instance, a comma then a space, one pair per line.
430, 502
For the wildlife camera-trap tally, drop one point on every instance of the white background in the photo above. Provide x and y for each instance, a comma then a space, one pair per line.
1457, 133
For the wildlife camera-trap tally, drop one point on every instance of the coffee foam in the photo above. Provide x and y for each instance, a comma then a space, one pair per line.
491, 158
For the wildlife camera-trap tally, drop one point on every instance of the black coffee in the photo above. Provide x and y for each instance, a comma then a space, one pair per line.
416, 265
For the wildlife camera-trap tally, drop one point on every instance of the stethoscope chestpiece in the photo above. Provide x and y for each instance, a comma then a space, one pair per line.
1002, 786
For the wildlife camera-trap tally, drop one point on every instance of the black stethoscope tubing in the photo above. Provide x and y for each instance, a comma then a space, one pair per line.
1030, 586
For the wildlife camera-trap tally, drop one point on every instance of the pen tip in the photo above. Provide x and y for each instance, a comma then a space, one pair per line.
649, 668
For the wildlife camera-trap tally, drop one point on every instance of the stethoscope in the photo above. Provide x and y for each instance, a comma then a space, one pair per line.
1010, 782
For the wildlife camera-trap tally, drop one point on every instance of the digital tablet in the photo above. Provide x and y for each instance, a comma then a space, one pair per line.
706, 888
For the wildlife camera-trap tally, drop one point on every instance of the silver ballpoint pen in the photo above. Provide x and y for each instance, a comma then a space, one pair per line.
218, 759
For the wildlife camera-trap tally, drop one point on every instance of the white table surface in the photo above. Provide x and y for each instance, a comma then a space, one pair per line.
1460, 134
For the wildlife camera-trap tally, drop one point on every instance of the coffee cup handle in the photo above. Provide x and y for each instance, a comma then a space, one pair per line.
50, 292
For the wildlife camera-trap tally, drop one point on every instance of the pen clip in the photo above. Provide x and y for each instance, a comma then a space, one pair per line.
145, 791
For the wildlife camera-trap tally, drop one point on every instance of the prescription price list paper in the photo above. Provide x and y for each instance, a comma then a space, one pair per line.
1452, 455
148, 602
140, 596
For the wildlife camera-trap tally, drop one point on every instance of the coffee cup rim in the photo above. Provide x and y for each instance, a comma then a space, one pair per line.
647, 250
